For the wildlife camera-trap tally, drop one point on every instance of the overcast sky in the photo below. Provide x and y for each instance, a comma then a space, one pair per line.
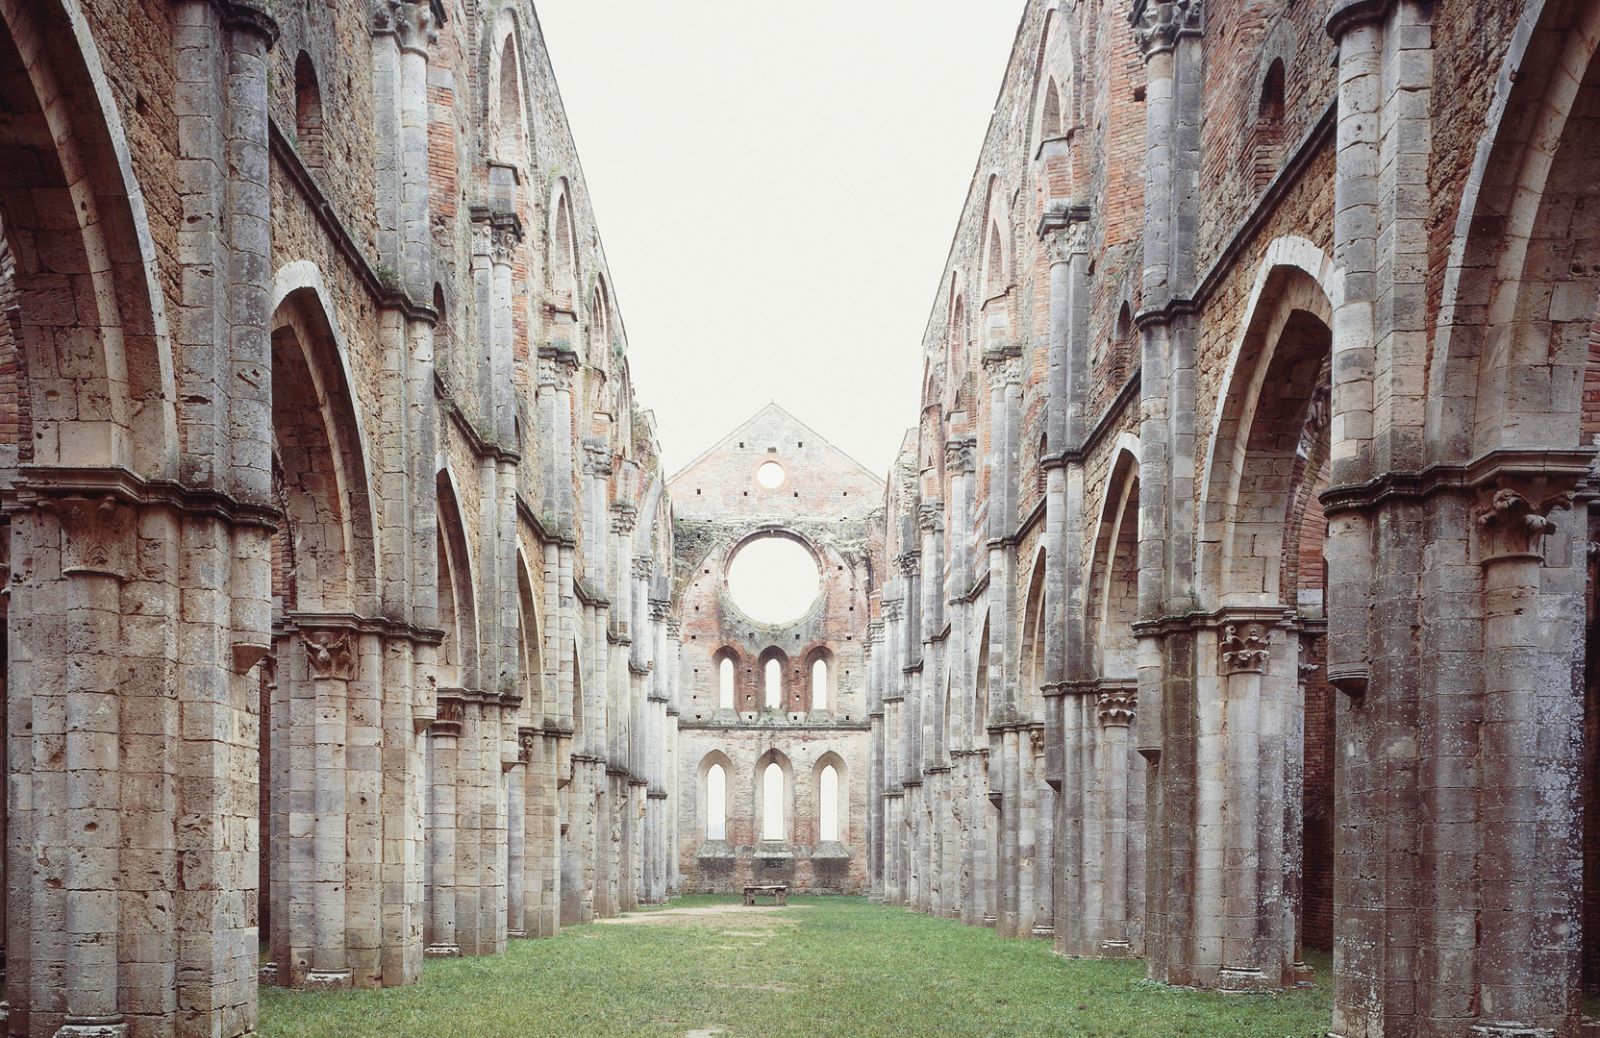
777, 186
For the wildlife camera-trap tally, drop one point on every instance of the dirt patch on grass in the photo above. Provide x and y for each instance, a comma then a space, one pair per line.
733, 920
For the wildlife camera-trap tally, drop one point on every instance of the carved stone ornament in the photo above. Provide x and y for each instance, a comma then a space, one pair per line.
97, 536
1071, 240
644, 567
961, 456
910, 562
525, 742
1245, 649
1036, 741
1513, 526
330, 654
930, 517
412, 24
892, 610
504, 239
1157, 24
596, 458
1118, 707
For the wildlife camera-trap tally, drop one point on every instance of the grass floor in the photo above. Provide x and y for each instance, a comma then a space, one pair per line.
821, 968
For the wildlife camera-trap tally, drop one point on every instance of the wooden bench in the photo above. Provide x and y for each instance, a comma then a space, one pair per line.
779, 892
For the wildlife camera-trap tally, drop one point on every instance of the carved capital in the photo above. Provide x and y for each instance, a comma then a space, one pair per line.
1513, 522
1118, 707
526, 737
504, 239
1157, 24
660, 609
930, 517
623, 517
330, 654
1069, 240
892, 610
910, 562
961, 456
596, 458
413, 25
1245, 648
97, 535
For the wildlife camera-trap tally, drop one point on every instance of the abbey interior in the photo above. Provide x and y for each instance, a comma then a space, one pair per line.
1233, 595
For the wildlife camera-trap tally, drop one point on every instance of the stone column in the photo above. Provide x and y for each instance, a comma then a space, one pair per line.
444, 741
1116, 708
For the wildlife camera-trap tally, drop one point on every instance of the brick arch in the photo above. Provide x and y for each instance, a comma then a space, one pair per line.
1277, 370
318, 447
1523, 279
458, 614
1114, 577
89, 312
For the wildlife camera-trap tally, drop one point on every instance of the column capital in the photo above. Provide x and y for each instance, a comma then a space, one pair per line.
1118, 707
250, 16
414, 26
1514, 516
1157, 24
1244, 647
961, 456
1348, 14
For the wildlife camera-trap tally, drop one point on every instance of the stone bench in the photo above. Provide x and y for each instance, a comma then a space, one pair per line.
779, 892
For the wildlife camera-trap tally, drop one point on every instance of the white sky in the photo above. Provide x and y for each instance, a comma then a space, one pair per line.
777, 186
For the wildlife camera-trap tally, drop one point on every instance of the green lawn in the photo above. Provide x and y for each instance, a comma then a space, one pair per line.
822, 968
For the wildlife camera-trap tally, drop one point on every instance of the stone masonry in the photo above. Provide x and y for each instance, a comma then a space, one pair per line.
1234, 594
338, 551
1245, 582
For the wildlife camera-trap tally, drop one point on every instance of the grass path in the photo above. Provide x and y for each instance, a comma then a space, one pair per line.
822, 968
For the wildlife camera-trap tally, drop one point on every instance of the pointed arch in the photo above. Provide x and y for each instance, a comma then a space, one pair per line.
715, 794
1114, 577
1033, 640
530, 640
773, 781
320, 452
562, 241
458, 615
1275, 376
507, 99
831, 780
84, 273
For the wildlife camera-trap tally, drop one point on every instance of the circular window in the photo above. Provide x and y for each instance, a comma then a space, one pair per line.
773, 580
770, 475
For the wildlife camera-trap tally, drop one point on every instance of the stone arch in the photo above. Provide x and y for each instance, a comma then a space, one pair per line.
1055, 89
530, 639
840, 798
90, 320
1113, 586
1277, 372
982, 690
764, 798
996, 242
458, 615
958, 342
321, 458
1509, 373
1032, 669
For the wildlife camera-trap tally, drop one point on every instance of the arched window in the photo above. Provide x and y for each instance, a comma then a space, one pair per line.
725, 684
819, 684
994, 264
307, 112
1266, 151
774, 684
772, 827
828, 804
717, 803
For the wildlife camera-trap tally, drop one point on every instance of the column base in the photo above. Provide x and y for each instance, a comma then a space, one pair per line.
1231, 980
1116, 949
267, 974
1511, 1030
1047, 933
442, 951
516, 935
990, 920
1302, 976
102, 1027
328, 980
